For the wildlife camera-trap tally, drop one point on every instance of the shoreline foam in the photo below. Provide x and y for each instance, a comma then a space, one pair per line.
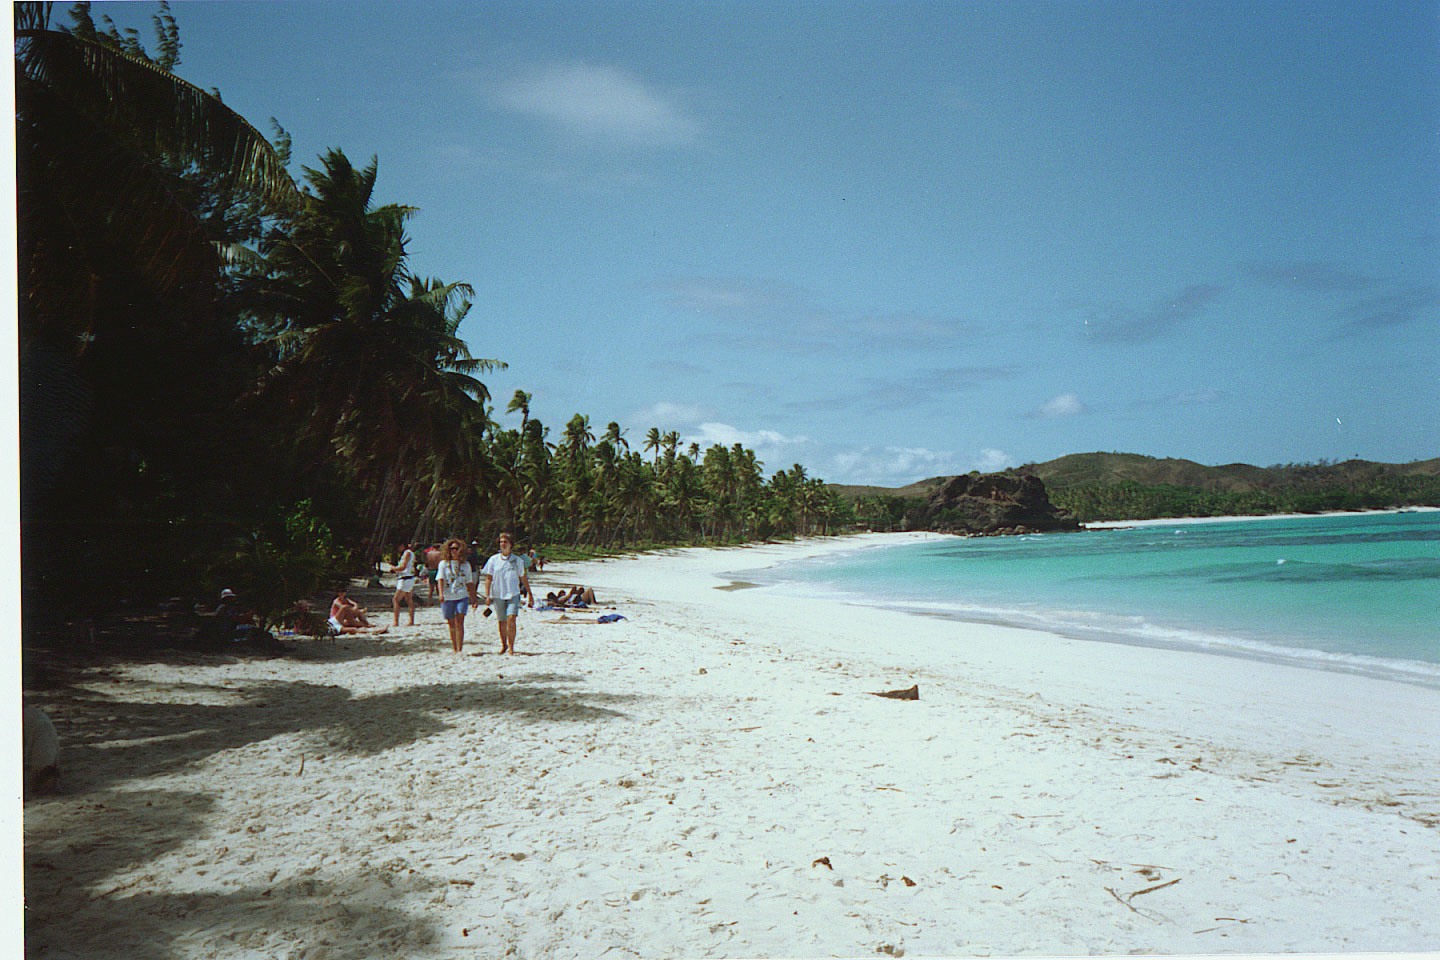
1131, 629
1164, 521
711, 777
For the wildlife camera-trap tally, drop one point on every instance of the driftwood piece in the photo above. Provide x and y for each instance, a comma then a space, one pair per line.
913, 693
1158, 886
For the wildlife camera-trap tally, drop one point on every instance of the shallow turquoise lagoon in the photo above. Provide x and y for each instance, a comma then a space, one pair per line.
1357, 592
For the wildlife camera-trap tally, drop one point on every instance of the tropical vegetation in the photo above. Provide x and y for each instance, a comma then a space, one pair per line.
233, 375
1129, 500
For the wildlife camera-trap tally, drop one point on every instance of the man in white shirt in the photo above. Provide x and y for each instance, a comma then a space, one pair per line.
506, 586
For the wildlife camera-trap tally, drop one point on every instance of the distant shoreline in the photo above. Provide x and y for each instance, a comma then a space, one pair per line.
1169, 521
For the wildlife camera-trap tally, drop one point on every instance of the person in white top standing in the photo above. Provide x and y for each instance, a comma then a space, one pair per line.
405, 583
505, 586
457, 589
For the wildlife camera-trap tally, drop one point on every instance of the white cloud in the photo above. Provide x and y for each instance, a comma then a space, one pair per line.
1065, 405
710, 433
773, 449
695, 424
669, 416
600, 103
991, 461
899, 466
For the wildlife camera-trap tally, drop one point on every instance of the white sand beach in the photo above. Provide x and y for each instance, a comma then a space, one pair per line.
711, 777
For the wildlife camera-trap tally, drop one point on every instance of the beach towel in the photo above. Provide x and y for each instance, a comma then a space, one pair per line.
610, 618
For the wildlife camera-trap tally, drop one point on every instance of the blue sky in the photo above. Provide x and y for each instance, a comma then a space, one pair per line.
892, 240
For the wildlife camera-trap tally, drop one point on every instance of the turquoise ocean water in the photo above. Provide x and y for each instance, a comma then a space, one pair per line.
1358, 593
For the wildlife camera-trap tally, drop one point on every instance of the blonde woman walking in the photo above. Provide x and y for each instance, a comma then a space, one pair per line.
457, 589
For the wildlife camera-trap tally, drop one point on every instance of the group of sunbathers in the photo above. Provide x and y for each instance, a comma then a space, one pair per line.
574, 597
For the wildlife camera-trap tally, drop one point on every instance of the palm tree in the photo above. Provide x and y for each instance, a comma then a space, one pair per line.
653, 443
577, 475
577, 437
521, 402
101, 135
636, 494
370, 351
124, 351
615, 436
536, 479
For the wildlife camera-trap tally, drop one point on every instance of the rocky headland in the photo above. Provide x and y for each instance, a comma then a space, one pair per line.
992, 504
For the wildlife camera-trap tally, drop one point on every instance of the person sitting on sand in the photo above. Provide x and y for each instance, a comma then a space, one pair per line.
347, 611
230, 608
232, 619
348, 617
339, 627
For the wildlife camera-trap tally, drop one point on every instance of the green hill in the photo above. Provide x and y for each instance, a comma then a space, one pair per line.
1081, 468
918, 490
1129, 486
1087, 468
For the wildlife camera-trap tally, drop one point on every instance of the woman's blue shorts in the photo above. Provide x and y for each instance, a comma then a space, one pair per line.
450, 609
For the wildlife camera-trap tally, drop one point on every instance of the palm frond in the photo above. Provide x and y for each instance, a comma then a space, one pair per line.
154, 110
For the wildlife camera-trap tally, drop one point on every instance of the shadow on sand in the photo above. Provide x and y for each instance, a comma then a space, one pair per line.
91, 897
96, 899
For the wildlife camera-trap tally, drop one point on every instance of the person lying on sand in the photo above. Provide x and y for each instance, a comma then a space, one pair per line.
573, 597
